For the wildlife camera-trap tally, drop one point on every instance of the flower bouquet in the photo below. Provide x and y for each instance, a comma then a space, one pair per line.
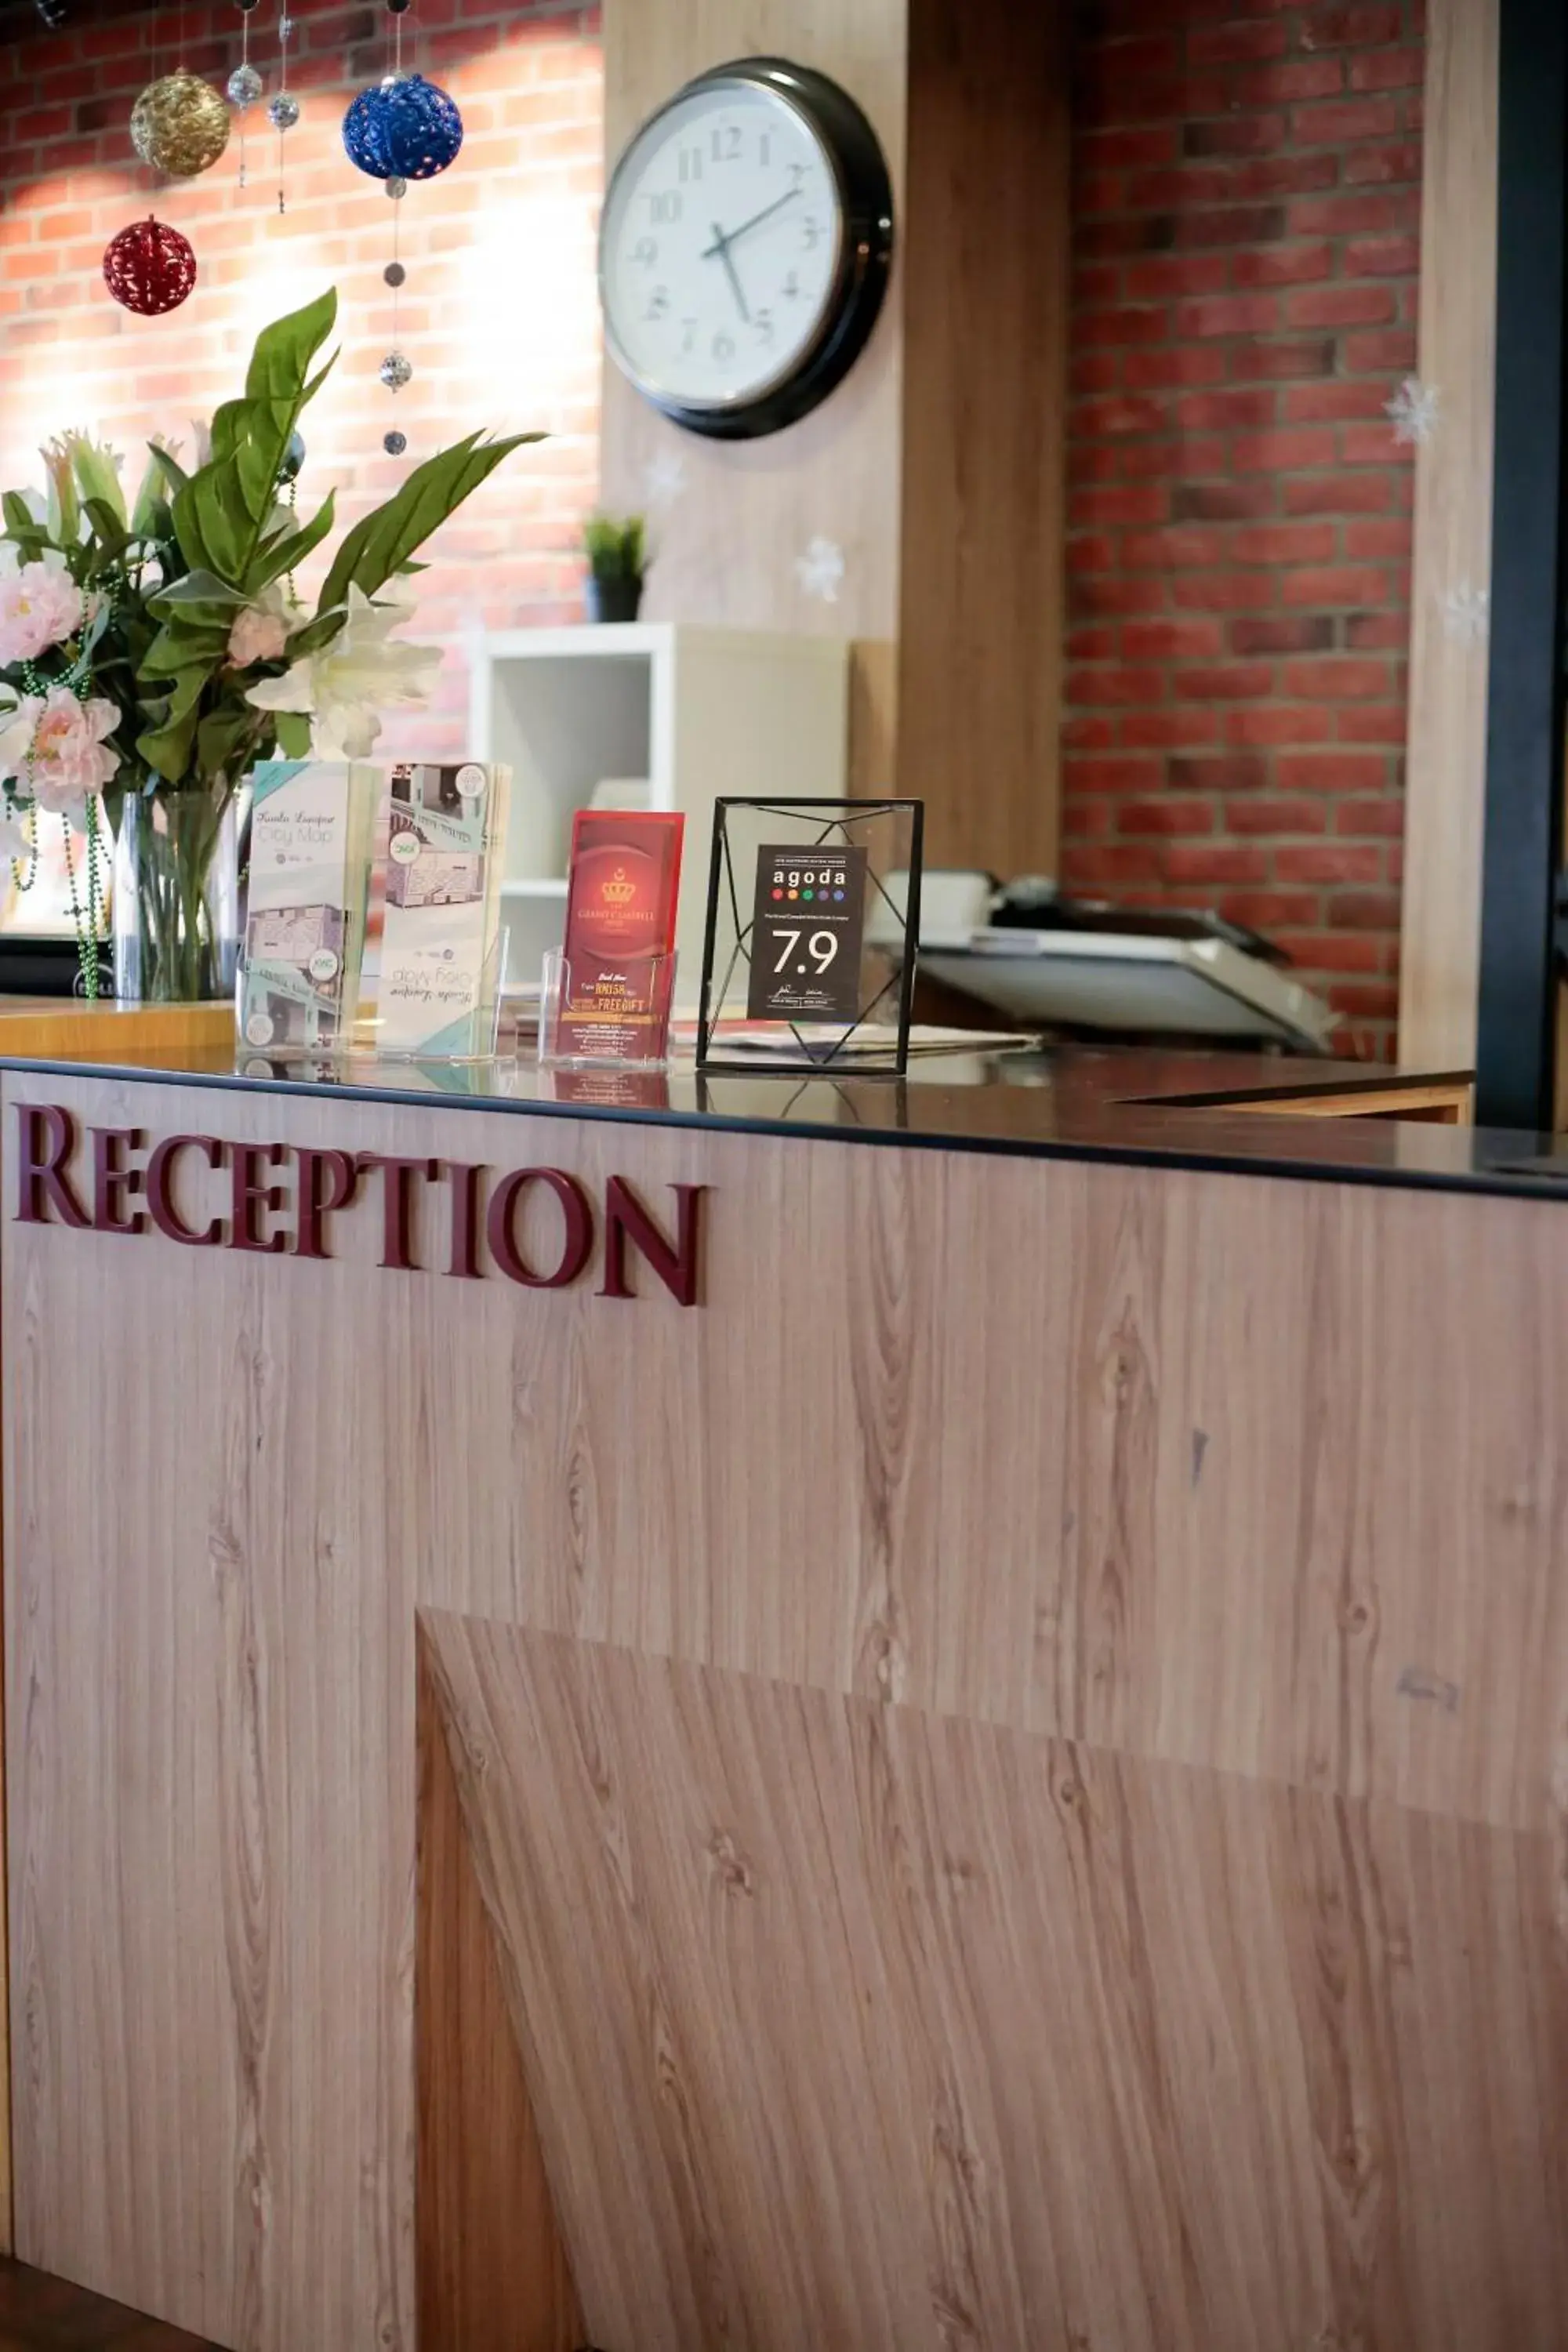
151, 655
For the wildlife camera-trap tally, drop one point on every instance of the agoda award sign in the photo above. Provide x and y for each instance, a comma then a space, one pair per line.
808, 921
808, 958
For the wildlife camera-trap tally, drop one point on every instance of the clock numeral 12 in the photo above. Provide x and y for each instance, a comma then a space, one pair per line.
726, 142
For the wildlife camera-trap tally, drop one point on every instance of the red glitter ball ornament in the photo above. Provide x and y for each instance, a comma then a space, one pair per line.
150, 267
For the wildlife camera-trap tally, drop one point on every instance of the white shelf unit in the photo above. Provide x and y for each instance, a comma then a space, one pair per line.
699, 712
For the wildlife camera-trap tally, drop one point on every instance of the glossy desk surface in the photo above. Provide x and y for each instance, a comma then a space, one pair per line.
1135, 1107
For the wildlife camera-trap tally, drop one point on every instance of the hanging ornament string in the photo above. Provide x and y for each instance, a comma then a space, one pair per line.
179, 125
284, 111
404, 128
245, 84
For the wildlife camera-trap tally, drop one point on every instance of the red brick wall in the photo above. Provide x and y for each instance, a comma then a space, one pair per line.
499, 314
1246, 202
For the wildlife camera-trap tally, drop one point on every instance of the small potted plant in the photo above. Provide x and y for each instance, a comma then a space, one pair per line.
617, 558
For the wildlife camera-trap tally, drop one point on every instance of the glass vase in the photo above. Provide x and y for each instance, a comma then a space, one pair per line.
176, 897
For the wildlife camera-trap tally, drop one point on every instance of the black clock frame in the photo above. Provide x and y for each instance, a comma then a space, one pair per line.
865, 258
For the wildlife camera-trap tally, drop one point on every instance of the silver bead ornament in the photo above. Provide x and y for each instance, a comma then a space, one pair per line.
284, 111
397, 190
394, 273
395, 443
395, 371
244, 87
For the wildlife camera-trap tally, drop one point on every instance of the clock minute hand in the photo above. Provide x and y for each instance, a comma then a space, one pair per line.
722, 247
721, 241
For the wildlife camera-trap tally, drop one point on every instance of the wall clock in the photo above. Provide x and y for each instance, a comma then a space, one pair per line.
744, 249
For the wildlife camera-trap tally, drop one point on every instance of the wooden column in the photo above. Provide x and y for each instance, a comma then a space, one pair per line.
938, 466
1446, 767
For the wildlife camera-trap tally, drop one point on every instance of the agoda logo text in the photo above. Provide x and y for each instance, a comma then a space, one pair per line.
468, 1215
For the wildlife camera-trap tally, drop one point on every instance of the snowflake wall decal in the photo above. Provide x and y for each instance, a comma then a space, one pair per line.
1467, 615
1414, 411
664, 478
820, 570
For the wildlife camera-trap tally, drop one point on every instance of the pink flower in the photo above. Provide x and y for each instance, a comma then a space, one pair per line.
40, 605
257, 635
55, 751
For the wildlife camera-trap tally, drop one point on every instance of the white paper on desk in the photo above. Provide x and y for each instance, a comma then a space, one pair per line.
876, 1040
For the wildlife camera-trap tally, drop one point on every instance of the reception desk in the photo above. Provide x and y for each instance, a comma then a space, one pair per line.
833, 1717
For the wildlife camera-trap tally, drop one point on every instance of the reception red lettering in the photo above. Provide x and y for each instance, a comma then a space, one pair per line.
254, 1198
133, 1190
675, 1263
161, 1194
46, 1137
397, 1202
577, 1238
327, 1180
113, 1185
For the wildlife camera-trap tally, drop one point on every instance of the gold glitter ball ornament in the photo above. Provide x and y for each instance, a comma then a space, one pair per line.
180, 125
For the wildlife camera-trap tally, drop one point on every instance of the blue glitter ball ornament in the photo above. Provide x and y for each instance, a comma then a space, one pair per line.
405, 129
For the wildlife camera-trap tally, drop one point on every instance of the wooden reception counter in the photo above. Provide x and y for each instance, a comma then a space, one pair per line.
836, 1718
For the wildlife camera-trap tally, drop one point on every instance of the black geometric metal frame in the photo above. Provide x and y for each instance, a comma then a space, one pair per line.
814, 1055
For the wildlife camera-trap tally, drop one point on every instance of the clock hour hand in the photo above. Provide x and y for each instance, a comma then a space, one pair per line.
721, 241
720, 246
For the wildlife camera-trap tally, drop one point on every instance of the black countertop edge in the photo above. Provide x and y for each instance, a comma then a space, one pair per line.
1489, 1171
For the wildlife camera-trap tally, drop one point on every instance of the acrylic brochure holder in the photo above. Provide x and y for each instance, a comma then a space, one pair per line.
623, 1026
609, 988
474, 1032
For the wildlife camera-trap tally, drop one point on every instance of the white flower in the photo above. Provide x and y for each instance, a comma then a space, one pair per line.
40, 604
56, 751
345, 686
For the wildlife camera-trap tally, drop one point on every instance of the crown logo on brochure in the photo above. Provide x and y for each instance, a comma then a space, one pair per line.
617, 891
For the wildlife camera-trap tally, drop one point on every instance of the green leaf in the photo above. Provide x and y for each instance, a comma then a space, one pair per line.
186, 644
225, 736
228, 428
150, 516
293, 733
108, 527
382, 544
95, 475
168, 747
18, 514
281, 554
165, 463
212, 521
277, 388
315, 635
195, 588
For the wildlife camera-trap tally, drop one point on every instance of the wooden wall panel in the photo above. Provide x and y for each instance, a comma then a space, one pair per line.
725, 547
983, 617
1445, 761
939, 465
1253, 1488
491, 2271
856, 2025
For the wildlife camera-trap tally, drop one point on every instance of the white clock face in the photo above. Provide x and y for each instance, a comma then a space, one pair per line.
720, 251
